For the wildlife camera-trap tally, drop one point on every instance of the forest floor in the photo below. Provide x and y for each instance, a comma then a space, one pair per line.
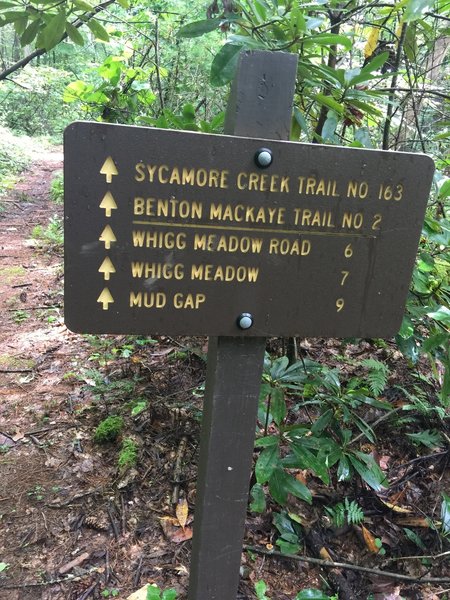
73, 526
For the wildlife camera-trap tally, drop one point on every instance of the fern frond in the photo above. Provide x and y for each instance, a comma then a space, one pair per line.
377, 375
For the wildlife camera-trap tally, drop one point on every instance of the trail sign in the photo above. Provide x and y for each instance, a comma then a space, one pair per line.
183, 233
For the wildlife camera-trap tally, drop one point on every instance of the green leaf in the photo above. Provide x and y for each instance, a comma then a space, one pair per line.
261, 589
3, 566
74, 34
429, 438
82, 5
330, 125
98, 30
322, 422
278, 405
265, 442
414, 538
330, 102
198, 28
444, 190
331, 39
124, 3
445, 514
287, 547
267, 462
415, 9
258, 504
30, 32
277, 486
281, 484
224, 65
169, 594
434, 341
52, 34
307, 460
311, 594
367, 468
343, 472
442, 315
153, 593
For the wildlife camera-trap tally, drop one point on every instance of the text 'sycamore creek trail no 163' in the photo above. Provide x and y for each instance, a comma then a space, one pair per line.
181, 233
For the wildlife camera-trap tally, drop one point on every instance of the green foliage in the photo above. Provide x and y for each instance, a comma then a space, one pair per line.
345, 513
109, 430
289, 540
377, 375
15, 155
52, 236
155, 593
430, 439
445, 515
260, 590
31, 102
128, 455
57, 188
319, 446
313, 594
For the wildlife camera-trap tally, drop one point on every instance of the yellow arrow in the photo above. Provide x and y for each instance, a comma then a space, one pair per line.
109, 169
108, 203
108, 237
107, 268
105, 298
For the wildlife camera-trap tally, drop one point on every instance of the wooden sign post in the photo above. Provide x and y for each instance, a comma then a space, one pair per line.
240, 237
260, 106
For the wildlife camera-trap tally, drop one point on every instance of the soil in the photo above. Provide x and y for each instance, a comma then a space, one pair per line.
75, 526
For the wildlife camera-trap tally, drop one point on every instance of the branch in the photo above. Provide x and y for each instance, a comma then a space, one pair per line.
338, 565
387, 123
40, 51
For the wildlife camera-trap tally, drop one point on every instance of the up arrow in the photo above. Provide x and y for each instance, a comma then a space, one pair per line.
107, 268
108, 203
105, 298
109, 169
108, 237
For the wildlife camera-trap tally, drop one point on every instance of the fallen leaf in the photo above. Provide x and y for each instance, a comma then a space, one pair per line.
415, 522
395, 508
141, 594
181, 535
324, 554
182, 512
370, 540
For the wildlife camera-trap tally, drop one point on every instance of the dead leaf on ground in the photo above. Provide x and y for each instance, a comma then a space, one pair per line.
370, 540
182, 511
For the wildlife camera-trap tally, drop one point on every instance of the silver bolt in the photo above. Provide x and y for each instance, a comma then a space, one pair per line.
263, 158
245, 321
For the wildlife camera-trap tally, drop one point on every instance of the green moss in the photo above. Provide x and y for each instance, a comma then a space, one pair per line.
14, 362
128, 455
108, 430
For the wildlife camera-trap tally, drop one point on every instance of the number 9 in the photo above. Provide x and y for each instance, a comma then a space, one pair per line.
339, 304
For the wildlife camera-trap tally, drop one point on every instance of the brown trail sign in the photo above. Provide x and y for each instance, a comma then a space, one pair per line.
239, 237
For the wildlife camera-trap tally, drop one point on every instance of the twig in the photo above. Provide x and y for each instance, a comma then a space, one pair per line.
113, 523
177, 469
61, 580
377, 422
389, 112
88, 592
332, 565
123, 515
137, 575
16, 370
428, 557
73, 499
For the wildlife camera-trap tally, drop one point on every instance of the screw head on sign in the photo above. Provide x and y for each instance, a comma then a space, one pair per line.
245, 321
263, 158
